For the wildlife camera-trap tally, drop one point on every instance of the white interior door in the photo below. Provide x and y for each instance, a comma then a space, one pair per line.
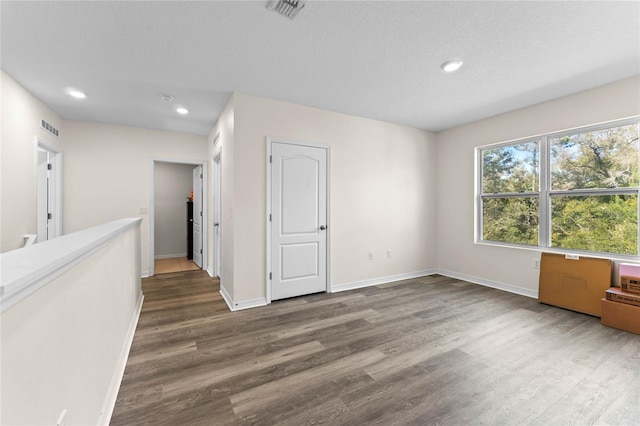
42, 194
48, 195
299, 220
197, 216
217, 225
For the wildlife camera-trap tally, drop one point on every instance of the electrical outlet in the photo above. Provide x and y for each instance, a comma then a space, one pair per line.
389, 253
536, 264
370, 255
144, 210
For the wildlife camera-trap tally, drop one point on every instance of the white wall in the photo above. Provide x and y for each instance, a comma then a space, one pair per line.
392, 187
172, 185
383, 186
224, 127
107, 172
65, 345
508, 267
20, 124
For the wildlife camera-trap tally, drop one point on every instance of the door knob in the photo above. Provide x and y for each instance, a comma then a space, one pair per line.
216, 224
322, 227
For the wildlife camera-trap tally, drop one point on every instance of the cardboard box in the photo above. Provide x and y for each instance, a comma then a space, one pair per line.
572, 282
629, 270
629, 277
621, 316
630, 284
616, 295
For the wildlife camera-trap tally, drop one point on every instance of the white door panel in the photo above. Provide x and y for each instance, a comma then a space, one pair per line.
48, 196
217, 225
42, 188
299, 199
299, 260
299, 218
197, 216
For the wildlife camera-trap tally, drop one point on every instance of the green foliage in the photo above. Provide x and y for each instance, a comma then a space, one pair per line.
605, 223
513, 220
599, 159
511, 168
602, 159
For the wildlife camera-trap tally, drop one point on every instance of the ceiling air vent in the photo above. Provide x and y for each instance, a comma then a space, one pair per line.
288, 8
49, 128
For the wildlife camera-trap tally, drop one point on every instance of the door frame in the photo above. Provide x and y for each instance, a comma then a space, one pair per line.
216, 205
270, 141
152, 203
197, 174
55, 183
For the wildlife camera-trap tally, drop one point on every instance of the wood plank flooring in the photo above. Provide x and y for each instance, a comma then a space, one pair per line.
174, 264
432, 350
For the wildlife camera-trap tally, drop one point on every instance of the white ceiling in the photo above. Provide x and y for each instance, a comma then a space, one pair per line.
379, 60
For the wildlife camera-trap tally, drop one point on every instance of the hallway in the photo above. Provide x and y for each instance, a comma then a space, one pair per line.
176, 264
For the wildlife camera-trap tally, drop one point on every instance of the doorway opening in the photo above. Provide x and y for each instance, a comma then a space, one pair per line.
174, 264
48, 191
177, 217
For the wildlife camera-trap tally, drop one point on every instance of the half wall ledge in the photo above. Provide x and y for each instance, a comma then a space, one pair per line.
25, 270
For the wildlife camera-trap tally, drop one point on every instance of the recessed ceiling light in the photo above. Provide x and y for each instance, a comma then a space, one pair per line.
75, 93
182, 110
451, 66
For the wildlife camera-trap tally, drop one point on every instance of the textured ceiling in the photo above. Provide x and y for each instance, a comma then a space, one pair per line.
379, 60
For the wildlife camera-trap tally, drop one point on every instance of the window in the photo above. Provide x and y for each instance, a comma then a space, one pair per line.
574, 190
510, 183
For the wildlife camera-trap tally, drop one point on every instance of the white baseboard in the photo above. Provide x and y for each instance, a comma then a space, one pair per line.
244, 304
382, 280
169, 256
145, 274
248, 304
254, 303
114, 387
227, 299
489, 283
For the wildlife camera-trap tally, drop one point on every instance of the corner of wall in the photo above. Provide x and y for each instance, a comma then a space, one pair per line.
21, 114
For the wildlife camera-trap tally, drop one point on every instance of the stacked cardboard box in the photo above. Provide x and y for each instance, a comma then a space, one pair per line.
617, 295
621, 306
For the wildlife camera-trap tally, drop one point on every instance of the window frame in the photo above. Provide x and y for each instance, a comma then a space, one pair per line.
545, 193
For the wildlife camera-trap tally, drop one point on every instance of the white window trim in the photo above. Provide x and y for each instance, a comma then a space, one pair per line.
545, 193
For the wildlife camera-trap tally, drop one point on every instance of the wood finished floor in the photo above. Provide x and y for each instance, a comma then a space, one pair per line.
432, 350
174, 264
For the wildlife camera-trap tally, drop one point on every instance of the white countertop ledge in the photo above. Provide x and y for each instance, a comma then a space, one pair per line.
25, 270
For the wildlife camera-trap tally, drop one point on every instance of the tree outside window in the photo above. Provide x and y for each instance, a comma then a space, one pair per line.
588, 200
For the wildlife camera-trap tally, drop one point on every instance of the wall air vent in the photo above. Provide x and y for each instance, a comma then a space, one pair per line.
288, 8
48, 127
